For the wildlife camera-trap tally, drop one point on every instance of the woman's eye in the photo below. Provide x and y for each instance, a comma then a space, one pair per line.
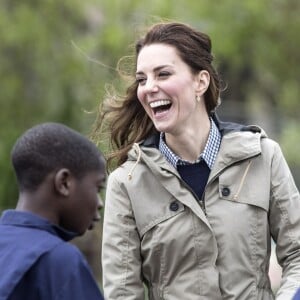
140, 80
164, 74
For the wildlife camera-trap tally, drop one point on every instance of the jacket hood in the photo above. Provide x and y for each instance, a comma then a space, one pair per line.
229, 127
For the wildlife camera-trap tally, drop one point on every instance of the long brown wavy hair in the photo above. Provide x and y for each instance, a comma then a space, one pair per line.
124, 118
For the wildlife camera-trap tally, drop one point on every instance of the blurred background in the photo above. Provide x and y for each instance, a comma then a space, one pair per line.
56, 58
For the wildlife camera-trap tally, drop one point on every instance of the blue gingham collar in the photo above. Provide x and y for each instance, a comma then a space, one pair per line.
209, 153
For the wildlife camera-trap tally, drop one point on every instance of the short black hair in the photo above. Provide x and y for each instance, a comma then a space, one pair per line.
48, 147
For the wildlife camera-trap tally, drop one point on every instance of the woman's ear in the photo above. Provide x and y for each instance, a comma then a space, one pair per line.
62, 182
202, 82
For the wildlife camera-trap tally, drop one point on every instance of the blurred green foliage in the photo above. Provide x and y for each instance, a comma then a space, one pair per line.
56, 57
43, 76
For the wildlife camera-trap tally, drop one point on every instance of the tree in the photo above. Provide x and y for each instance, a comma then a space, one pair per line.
44, 77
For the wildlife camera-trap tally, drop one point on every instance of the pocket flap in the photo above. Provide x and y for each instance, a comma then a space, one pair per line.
240, 184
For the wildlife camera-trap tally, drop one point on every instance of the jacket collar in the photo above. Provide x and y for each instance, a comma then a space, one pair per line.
239, 142
224, 128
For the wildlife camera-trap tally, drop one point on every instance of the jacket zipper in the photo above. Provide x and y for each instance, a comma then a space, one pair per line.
199, 201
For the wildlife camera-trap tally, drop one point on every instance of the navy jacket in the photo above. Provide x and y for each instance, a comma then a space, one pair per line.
297, 296
37, 263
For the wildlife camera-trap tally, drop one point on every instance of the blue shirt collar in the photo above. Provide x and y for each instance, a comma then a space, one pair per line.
209, 153
28, 219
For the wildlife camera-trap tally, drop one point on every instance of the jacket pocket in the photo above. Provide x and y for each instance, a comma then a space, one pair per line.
158, 214
242, 183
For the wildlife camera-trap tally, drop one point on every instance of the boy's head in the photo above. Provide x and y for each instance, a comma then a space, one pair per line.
63, 166
49, 147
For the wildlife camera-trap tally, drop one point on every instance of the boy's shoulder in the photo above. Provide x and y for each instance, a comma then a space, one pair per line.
64, 263
66, 254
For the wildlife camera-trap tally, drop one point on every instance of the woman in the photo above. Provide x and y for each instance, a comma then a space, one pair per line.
193, 204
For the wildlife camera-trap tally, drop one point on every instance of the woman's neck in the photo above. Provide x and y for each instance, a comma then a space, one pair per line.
191, 143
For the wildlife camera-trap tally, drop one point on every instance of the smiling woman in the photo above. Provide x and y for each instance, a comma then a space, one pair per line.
167, 90
213, 194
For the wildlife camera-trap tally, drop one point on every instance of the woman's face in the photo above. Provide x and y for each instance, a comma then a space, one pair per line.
167, 89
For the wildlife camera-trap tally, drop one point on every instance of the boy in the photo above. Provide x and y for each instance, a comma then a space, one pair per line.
60, 174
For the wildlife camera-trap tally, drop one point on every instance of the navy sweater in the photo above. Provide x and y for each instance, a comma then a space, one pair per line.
196, 176
37, 263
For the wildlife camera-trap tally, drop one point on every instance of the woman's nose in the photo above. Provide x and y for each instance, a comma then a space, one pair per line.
151, 86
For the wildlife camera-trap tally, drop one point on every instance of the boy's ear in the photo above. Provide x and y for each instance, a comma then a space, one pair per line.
62, 182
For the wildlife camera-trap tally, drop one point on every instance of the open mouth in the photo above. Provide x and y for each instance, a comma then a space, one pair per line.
160, 106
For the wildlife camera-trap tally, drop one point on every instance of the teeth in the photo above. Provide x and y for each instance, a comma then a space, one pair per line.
159, 103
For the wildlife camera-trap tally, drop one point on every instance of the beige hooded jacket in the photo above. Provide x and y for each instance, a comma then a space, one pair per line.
156, 234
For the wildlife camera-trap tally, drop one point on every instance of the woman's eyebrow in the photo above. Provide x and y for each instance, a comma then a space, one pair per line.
155, 69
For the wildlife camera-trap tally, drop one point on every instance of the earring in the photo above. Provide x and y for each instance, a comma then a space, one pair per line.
198, 98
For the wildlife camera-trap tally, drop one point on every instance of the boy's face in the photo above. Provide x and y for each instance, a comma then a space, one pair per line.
84, 202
